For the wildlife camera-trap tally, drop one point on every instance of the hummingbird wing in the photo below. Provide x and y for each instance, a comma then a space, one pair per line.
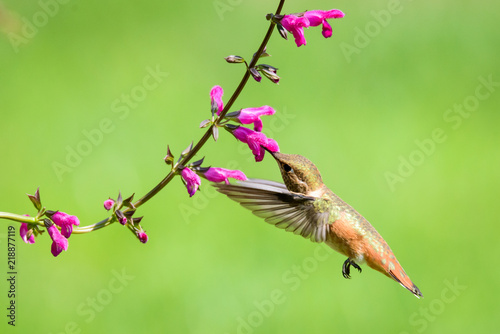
272, 201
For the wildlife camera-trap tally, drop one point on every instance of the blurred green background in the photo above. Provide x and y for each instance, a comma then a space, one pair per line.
376, 107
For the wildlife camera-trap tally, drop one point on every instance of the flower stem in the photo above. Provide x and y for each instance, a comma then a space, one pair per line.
208, 133
20, 218
93, 227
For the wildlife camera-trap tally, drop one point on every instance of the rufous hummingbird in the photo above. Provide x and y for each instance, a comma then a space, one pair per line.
304, 205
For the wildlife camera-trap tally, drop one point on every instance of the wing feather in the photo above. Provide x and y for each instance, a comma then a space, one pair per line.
278, 206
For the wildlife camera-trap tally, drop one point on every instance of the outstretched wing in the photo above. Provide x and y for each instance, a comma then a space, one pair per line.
278, 206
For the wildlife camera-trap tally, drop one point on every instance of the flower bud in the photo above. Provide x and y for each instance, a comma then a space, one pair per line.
108, 204
234, 59
255, 74
143, 237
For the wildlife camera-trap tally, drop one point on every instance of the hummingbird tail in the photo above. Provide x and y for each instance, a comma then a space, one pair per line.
407, 283
390, 266
396, 272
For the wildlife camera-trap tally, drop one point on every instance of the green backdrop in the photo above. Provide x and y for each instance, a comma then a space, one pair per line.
399, 111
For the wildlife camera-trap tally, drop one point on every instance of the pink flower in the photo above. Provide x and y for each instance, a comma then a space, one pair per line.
296, 25
24, 231
216, 174
59, 242
216, 99
65, 222
108, 204
251, 115
192, 180
317, 17
313, 18
256, 141
143, 237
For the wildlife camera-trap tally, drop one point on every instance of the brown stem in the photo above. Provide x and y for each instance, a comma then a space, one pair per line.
208, 133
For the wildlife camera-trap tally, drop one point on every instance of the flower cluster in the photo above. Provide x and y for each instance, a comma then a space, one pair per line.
295, 23
64, 221
123, 210
59, 238
256, 140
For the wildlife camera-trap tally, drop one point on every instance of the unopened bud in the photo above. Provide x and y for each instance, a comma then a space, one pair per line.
255, 74
234, 59
269, 72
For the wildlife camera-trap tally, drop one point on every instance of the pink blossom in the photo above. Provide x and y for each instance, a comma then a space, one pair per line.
256, 141
59, 242
192, 180
108, 204
216, 98
24, 231
251, 115
272, 145
296, 25
143, 237
215, 174
317, 17
65, 222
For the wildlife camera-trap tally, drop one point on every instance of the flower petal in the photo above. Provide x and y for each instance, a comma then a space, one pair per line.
216, 174
192, 181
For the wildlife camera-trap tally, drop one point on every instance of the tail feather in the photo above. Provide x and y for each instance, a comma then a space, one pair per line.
388, 265
406, 282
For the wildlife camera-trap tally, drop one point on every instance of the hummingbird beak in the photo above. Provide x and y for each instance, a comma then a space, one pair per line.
272, 153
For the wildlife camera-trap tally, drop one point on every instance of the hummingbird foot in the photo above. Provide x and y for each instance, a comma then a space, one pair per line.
346, 268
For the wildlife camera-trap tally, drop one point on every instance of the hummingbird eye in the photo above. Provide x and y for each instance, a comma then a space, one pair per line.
287, 168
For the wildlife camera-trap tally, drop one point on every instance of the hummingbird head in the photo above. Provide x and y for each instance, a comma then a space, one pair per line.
299, 173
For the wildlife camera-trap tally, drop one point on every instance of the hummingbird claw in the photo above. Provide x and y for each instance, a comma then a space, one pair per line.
346, 268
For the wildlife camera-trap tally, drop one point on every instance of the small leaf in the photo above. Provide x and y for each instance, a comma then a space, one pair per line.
263, 53
188, 149
50, 213
231, 127
215, 132
278, 17
169, 158
282, 31
128, 201
197, 163
35, 199
205, 123
137, 220
202, 170
129, 213
119, 200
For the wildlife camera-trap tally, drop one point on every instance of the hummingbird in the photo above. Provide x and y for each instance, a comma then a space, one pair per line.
305, 206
